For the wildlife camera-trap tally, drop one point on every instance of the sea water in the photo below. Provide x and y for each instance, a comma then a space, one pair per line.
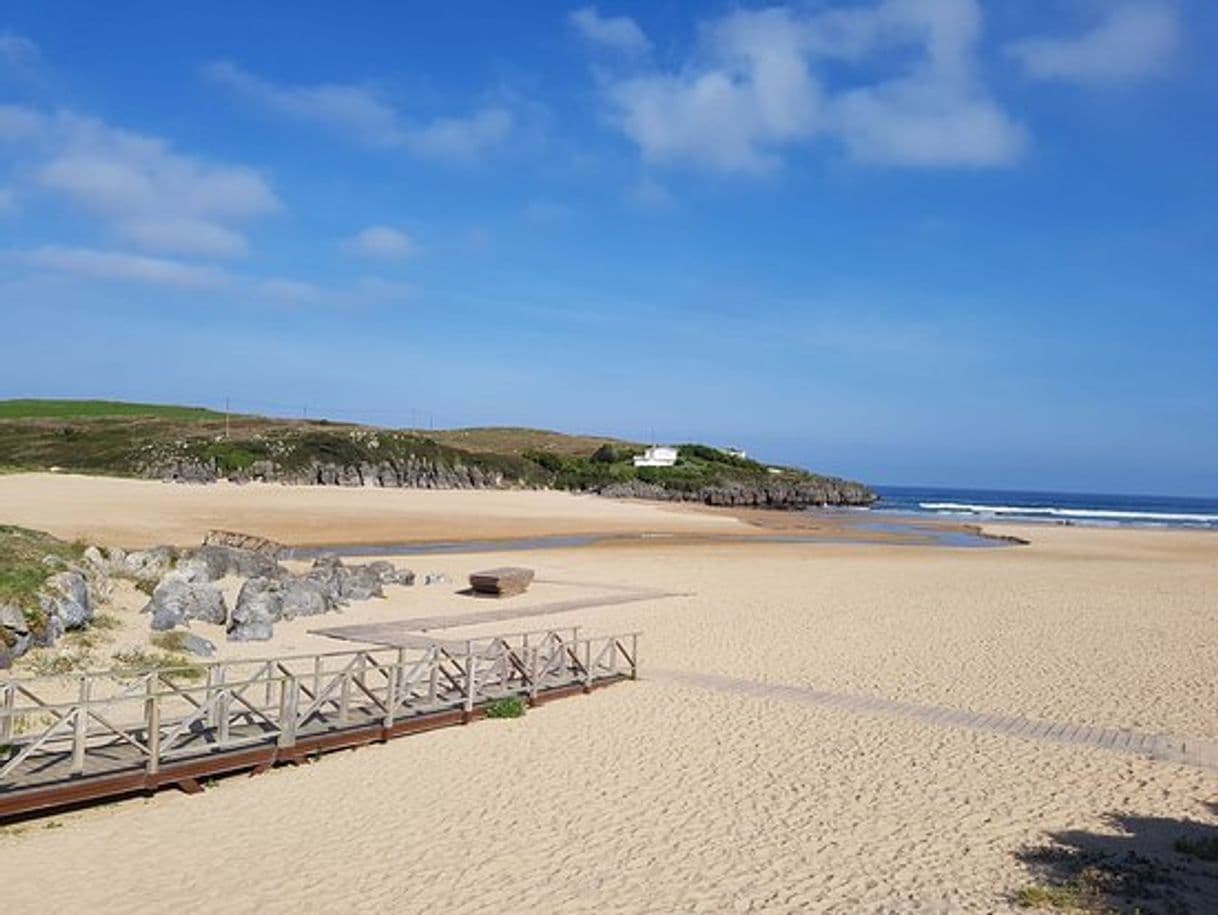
1050, 507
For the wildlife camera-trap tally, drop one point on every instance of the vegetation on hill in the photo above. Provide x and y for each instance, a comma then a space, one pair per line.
84, 409
187, 443
22, 570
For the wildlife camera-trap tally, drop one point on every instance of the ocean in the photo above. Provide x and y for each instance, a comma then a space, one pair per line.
1050, 507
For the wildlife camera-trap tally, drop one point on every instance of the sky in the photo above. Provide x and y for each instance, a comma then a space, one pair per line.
952, 242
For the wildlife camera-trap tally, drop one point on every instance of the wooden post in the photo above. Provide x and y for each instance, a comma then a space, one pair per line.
588, 664
634, 656
316, 678
289, 691
223, 700
391, 689
471, 682
534, 666
208, 698
7, 725
433, 686
152, 725
81, 730
344, 698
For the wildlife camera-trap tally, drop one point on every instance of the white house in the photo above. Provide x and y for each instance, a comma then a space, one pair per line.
736, 452
656, 456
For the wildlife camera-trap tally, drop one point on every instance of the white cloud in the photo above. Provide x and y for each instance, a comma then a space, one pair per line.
383, 242
366, 291
361, 114
461, 138
184, 234
758, 86
284, 290
124, 267
1135, 40
618, 33
143, 190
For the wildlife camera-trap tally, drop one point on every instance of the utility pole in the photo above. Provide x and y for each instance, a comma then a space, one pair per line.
226, 418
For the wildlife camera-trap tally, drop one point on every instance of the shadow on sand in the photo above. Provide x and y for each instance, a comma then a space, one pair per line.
1151, 865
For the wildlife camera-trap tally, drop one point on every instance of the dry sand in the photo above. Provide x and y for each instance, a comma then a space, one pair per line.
141, 513
745, 790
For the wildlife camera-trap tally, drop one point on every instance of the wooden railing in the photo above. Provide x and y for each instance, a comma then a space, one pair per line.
63, 728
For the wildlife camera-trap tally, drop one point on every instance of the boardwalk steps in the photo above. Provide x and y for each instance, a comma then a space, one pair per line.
65, 740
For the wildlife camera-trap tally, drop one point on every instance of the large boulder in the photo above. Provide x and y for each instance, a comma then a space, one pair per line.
305, 597
15, 636
145, 565
360, 583
259, 607
390, 574
66, 596
177, 599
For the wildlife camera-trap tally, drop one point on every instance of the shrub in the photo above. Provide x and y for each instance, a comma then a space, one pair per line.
511, 707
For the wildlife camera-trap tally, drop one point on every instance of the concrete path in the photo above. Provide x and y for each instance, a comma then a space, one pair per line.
1200, 753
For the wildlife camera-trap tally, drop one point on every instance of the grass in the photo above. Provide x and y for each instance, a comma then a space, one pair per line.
140, 439
1204, 849
87, 409
170, 664
1071, 897
173, 641
22, 571
58, 663
511, 707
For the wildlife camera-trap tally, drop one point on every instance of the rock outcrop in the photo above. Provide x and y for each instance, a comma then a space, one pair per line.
773, 494
259, 607
178, 599
15, 635
65, 597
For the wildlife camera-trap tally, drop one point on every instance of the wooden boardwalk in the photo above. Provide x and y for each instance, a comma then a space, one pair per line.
65, 740
1192, 752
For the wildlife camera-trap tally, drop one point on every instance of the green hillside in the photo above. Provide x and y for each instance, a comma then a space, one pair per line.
189, 443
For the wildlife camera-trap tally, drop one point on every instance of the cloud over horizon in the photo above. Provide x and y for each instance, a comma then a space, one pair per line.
756, 87
617, 33
362, 115
381, 242
137, 186
1135, 40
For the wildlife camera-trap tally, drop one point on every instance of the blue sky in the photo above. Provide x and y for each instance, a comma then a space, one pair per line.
964, 243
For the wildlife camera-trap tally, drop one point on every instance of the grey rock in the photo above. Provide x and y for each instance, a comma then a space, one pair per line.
178, 600
360, 583
149, 565
197, 645
15, 637
259, 607
94, 557
303, 596
66, 596
436, 578
391, 575
46, 635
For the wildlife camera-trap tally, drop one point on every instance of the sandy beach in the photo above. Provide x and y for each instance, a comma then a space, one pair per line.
809, 735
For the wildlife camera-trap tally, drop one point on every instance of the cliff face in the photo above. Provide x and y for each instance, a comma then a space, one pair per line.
809, 493
413, 473
791, 491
